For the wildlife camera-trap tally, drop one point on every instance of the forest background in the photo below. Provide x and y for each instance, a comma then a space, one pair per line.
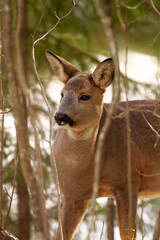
28, 191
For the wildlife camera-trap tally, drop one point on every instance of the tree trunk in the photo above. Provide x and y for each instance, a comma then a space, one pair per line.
2, 130
19, 110
23, 209
110, 219
22, 191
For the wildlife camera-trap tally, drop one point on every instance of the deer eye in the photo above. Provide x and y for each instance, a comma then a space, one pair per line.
84, 97
61, 95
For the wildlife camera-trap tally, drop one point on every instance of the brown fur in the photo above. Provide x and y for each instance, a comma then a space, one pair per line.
74, 149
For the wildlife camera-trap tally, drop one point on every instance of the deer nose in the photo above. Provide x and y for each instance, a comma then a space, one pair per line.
63, 119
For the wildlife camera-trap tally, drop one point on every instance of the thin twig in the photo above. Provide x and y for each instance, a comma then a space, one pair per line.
154, 8
134, 7
139, 17
142, 222
154, 39
155, 11
52, 160
156, 233
102, 231
5, 112
13, 188
152, 128
4, 235
1, 55
40, 20
6, 192
123, 25
124, 28
59, 20
106, 20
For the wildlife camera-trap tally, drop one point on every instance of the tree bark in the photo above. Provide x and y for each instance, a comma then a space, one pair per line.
23, 209
22, 191
2, 130
110, 219
19, 110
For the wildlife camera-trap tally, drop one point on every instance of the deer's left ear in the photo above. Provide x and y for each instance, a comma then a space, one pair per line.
104, 73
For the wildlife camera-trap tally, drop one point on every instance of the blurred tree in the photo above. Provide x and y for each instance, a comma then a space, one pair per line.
2, 131
17, 83
22, 191
156, 234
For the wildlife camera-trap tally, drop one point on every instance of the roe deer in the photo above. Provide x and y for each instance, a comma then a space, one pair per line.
80, 116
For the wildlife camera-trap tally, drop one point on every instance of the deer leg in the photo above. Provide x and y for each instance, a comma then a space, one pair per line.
127, 218
72, 213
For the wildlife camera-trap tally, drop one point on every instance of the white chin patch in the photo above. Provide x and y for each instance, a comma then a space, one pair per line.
84, 135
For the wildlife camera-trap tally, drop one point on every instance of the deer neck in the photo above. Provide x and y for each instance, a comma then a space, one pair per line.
81, 141
72, 147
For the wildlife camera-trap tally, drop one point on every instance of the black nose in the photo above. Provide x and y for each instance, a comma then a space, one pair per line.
63, 119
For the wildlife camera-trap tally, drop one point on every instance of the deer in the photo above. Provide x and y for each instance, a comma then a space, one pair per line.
80, 117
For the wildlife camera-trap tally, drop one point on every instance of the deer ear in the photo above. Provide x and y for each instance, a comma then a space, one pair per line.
62, 69
104, 73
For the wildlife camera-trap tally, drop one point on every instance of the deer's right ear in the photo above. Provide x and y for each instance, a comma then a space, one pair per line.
61, 68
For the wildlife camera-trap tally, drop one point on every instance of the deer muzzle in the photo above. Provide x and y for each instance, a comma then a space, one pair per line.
63, 119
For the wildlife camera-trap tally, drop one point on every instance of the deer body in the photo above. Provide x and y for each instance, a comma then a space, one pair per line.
81, 116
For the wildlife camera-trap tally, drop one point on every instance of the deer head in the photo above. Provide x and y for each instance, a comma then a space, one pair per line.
82, 95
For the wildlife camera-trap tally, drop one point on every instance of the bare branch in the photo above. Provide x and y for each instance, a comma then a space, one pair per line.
39, 22
59, 20
154, 8
55, 13
124, 28
106, 20
13, 188
152, 128
6, 192
139, 17
156, 234
123, 25
4, 235
134, 7
142, 222
52, 160
102, 231
155, 11
5, 112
